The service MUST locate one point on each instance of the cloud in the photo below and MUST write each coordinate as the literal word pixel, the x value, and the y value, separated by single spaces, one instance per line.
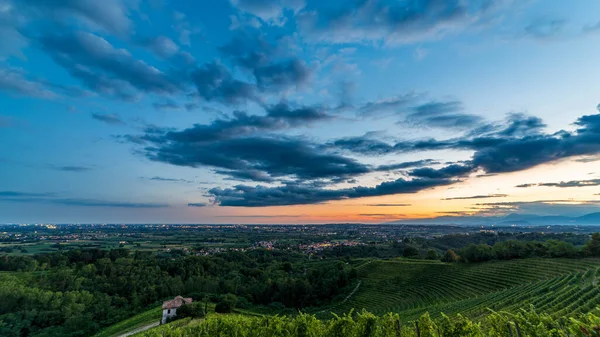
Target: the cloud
pixel 392 104
pixel 566 184
pixel 517 146
pixel 162 46
pixel 52 198
pixel 104 68
pixel 394 22
pixel 268 10
pixel 293 194
pixel 450 171
pixel 197 204
pixel 447 115
pixel 272 67
pixel 14 80
pixel 108 15
pixel 388 205
pixel 214 82
pixel 478 197
pixel 4 194
pixel 71 168
pixel 111 119
pixel 544 28
pixel 171 180
pixel 410 164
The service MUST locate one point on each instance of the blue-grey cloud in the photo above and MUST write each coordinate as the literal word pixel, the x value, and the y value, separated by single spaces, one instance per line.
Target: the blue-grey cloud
pixel 171 180
pixel 448 115
pixel 197 204
pixel 108 118
pixel 110 15
pixel 268 10
pixel 544 28
pixel 405 165
pixel 566 184
pixel 73 168
pixel 15 81
pixel 519 145
pixel 214 82
pixel 260 196
pixel 53 198
pixel 388 205
pixel 104 68
pixel 394 22
pixel 485 196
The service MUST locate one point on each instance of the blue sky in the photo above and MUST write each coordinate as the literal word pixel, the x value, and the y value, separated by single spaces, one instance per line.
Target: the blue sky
pixel 297 110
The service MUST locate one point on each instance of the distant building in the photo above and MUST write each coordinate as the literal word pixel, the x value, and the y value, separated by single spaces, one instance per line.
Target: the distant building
pixel 170 307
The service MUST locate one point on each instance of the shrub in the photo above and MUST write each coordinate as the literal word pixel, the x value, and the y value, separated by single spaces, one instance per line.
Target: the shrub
pixel 192 310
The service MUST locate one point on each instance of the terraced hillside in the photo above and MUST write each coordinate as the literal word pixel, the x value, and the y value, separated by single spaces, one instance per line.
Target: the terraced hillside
pixel 410 288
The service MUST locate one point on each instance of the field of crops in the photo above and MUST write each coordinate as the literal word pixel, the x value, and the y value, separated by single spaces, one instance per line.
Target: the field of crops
pixel 410 288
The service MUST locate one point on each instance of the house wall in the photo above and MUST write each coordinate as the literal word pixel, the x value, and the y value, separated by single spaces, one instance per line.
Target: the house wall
pixel 167 313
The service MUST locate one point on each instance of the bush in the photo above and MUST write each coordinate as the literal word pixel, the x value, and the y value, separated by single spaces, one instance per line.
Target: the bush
pixel 192 310
pixel 226 304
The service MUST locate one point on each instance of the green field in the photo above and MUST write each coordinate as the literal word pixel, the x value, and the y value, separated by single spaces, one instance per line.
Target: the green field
pixel 410 288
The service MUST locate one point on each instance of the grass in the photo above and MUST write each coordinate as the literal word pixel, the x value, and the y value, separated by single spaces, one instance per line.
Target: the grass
pixel 143 319
pixel 412 288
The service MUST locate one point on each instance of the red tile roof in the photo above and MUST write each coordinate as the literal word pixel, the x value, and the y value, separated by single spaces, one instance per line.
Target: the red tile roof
pixel 176 302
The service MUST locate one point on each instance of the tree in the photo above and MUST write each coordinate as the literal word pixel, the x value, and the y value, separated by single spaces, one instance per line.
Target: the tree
pixel 593 246
pixel 450 256
pixel 226 304
pixel 193 310
pixel 410 252
pixel 431 255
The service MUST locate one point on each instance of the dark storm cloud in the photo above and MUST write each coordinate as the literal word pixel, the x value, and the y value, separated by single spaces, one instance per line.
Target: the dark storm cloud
pixel 478 197
pixel 108 119
pixel 566 184
pixel 104 68
pixel 261 196
pixel 393 22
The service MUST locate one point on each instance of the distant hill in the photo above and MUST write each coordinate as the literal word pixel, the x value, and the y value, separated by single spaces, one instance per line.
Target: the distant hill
pixel 508 220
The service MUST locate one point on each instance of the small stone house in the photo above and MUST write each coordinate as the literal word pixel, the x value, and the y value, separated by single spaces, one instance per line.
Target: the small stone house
pixel 170 307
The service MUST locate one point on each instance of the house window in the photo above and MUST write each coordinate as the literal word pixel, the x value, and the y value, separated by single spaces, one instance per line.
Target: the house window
pixel 169 311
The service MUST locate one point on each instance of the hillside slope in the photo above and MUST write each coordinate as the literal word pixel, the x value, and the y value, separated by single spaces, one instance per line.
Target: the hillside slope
pixel 411 288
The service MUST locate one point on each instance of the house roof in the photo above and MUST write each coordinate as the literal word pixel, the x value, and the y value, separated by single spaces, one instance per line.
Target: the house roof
pixel 176 302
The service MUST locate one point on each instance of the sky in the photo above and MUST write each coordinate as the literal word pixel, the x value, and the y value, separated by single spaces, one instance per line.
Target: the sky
pixel 297 111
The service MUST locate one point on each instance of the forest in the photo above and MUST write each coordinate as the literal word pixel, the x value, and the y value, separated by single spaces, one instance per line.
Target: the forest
pixel 75 293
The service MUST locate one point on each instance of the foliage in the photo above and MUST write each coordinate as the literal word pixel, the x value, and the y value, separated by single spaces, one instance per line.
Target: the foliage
pixel 192 310
pixel 365 324
pixel 78 292
pixel 226 304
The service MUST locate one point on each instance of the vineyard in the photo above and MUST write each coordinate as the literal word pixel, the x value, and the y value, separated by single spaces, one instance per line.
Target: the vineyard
pixel 363 324
pixel 410 288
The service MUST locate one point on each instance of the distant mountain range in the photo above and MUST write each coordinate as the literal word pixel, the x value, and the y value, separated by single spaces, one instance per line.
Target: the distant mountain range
pixel 508 220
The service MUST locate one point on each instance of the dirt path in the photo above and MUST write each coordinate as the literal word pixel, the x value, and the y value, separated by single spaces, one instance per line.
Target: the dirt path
pixel 138 330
